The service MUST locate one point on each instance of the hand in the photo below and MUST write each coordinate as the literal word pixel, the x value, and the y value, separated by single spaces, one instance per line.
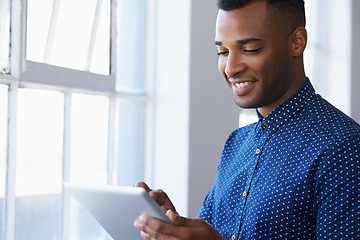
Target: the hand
pixel 183 228
pixel 159 196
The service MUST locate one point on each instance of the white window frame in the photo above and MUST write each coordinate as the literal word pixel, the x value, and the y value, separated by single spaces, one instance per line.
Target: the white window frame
pixel 326 60
pixel 28 74
pixel 185 132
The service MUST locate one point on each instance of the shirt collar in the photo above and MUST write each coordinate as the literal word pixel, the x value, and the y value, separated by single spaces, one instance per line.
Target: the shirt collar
pixel 287 109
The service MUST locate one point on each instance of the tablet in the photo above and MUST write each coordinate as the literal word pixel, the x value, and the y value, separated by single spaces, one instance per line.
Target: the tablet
pixel 116 208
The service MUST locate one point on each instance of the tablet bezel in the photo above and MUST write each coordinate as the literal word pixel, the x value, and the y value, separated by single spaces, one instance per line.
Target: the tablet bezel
pixel 117 207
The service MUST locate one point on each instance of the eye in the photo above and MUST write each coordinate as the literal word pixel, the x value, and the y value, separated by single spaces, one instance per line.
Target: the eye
pixel 252 50
pixel 222 53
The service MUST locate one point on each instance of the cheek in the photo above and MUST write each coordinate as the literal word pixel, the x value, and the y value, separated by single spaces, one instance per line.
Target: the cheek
pixel 222 66
pixel 266 66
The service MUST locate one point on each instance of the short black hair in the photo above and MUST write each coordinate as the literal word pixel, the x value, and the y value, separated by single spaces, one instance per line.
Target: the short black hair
pixel 289 8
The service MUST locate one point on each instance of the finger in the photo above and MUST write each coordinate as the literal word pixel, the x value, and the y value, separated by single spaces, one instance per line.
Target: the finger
pixel 186 222
pixel 144 186
pixel 175 218
pixel 143 224
pixel 158 195
pixel 144 235
pixel 155 228
pixel 188 228
pixel 162 199
pixel 139 225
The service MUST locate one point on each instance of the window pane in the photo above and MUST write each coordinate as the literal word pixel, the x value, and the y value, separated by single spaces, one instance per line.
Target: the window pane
pixel 130 142
pixel 39 165
pixel 131 54
pixel 38 23
pixel 88 157
pixel 4 35
pixel 70 33
pixel 89 138
pixel 3 134
pixel 247 116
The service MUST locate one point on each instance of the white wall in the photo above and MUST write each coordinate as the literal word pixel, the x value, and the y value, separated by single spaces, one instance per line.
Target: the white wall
pixel 213 113
pixel 171 148
pixel 195 112
pixel 355 73
pixel 332 56
pixel 328 54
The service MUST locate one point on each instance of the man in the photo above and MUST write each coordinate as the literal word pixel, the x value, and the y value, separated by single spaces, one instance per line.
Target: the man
pixel 295 173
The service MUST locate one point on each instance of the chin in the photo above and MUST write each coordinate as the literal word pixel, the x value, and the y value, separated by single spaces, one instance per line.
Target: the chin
pixel 245 104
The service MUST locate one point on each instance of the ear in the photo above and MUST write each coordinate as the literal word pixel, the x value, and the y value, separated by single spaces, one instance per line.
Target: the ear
pixel 298 41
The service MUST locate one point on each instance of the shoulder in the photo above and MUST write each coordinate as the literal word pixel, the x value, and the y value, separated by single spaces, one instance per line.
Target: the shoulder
pixel 329 122
pixel 331 135
pixel 239 136
pixel 236 142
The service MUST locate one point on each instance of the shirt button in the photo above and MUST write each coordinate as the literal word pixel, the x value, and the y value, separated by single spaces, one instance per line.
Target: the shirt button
pixel 233 237
pixel 245 193
pixel 258 151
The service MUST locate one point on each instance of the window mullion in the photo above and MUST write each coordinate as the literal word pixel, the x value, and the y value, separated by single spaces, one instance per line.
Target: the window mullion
pixel 93 34
pixel 150 80
pixel 52 29
pixel 18 9
pixel 4 8
pixel 11 163
pixel 111 154
pixel 66 165
pixel 69 78
pixel 113 36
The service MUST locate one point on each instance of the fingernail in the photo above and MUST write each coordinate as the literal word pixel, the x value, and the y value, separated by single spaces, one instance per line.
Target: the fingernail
pixel 142 218
pixel 144 235
pixel 137 224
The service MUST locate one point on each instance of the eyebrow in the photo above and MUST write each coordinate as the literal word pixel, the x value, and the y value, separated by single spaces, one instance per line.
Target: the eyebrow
pixel 243 41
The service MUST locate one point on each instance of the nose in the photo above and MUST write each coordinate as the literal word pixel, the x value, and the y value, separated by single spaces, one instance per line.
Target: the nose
pixel 235 64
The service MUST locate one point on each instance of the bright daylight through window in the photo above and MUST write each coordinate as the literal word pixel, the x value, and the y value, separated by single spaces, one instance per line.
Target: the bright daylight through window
pixel 3 134
pixel 38 171
pixel 72 108
pixel 4 35
pixel 67 34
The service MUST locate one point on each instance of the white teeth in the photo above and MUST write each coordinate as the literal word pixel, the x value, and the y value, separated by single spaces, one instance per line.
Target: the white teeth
pixel 240 85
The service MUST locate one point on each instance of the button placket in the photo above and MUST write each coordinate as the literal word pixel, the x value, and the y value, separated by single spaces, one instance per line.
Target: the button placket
pixel 251 175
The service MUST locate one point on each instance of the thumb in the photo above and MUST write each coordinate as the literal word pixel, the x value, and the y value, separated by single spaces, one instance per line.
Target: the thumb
pixel 176 218
pixel 182 221
pixel 144 186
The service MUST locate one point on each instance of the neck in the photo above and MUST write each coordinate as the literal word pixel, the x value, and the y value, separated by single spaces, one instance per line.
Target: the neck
pixel 299 80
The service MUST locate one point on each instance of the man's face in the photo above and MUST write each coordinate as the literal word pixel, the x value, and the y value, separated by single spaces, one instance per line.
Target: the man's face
pixel 254 57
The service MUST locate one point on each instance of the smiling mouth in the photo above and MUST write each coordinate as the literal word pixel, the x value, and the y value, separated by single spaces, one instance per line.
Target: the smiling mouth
pixel 243 88
pixel 242 84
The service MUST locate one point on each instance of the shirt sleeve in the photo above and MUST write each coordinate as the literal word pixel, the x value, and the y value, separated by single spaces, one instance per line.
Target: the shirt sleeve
pixel 206 211
pixel 337 191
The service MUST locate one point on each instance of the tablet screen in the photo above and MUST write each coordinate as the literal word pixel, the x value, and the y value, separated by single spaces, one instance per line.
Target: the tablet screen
pixel 116 208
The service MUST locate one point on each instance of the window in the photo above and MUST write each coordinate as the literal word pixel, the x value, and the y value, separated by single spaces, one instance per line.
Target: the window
pixel 57 35
pixel 4 34
pixel 3 134
pixel 38 176
pixel 327 61
pixel 73 107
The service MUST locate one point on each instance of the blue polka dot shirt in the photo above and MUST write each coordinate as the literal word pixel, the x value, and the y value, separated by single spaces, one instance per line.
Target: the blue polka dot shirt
pixel 292 175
